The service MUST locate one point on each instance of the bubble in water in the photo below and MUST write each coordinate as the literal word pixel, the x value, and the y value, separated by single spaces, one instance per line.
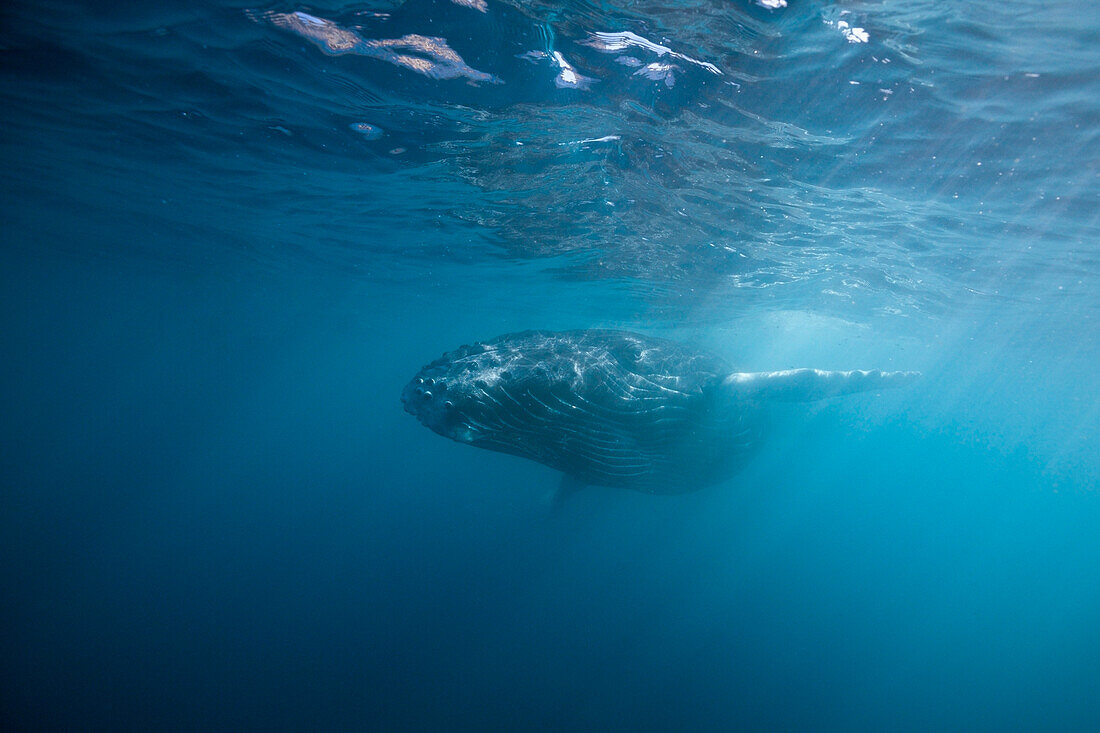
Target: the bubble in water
pixel 367 130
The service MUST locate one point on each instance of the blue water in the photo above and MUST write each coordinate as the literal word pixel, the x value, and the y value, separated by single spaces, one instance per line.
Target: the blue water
pixel 231 233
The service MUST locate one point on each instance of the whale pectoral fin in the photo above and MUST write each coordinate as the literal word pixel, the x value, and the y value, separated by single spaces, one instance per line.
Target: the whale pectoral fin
pixel 806 385
pixel 569 486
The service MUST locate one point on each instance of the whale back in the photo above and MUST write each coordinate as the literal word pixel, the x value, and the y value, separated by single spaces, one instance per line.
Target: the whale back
pixel 605 407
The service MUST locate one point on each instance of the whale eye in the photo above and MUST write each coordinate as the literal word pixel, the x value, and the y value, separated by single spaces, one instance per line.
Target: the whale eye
pixel 427 395
pixel 420 380
pixel 429 381
pixel 449 405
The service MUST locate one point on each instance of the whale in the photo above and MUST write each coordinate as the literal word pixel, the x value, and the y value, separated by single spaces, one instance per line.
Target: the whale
pixel 616 408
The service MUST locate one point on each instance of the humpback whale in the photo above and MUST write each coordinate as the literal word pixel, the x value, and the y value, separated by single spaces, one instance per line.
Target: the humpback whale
pixel 615 408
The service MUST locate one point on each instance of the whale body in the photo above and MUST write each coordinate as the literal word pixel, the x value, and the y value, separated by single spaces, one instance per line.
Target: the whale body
pixel 615 408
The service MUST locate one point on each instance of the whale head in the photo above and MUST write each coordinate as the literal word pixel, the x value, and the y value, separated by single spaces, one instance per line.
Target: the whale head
pixel 448 396
pixel 432 401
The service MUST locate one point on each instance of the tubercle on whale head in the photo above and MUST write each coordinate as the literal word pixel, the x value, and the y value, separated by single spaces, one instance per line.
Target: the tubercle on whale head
pixel 423 395
pixel 438 403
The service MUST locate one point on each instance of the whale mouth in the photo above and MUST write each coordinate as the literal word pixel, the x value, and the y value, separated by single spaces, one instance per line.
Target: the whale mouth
pixel 409 398
pixel 416 397
pixel 465 434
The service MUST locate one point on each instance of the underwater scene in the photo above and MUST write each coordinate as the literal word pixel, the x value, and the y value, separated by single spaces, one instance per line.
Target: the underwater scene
pixel 432 365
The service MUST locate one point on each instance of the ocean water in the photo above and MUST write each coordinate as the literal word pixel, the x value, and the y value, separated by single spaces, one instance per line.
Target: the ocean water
pixel 232 232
